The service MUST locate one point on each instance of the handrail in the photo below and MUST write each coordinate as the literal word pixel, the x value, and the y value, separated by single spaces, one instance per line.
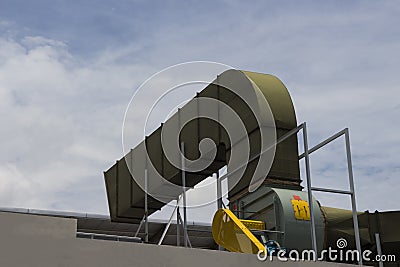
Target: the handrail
pixel 307 152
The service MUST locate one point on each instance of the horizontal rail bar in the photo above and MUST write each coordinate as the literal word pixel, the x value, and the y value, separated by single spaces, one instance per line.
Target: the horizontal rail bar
pixel 337 191
pixel 325 142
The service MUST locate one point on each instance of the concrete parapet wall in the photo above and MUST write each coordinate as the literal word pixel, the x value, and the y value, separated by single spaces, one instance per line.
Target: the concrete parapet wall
pixel 34 240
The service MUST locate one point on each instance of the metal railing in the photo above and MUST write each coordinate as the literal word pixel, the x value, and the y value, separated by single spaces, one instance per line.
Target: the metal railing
pixel 305 155
pixel 350 192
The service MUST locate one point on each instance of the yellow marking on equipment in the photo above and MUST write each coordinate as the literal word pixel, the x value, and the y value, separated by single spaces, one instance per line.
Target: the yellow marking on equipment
pixel 253 225
pixel 301 209
pixel 231 233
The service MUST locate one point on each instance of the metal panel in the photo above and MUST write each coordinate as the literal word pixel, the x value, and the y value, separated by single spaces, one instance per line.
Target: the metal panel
pixel 126 197
pixel 274 207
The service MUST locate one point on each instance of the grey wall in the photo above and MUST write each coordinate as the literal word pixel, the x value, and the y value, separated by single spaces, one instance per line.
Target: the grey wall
pixel 34 240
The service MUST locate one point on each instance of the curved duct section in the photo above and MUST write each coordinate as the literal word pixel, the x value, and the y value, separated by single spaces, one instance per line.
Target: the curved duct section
pixel 232 90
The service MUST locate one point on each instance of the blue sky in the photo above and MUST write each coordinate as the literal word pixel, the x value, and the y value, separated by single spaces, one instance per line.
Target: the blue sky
pixel 69 68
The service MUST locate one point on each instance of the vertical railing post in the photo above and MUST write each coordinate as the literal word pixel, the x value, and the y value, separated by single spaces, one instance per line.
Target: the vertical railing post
pixel 353 195
pixel 219 191
pixel 146 212
pixel 378 248
pixel 178 230
pixel 185 237
pixel 309 190
pixel 219 198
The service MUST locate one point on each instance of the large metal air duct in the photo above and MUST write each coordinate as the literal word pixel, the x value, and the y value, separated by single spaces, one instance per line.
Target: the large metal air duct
pixel 126 195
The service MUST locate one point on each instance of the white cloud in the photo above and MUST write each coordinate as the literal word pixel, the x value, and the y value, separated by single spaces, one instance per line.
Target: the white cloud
pixel 60 124
pixel 40 41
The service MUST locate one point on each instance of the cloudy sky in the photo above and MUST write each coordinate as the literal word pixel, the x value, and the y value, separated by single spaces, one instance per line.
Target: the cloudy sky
pixel 69 68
